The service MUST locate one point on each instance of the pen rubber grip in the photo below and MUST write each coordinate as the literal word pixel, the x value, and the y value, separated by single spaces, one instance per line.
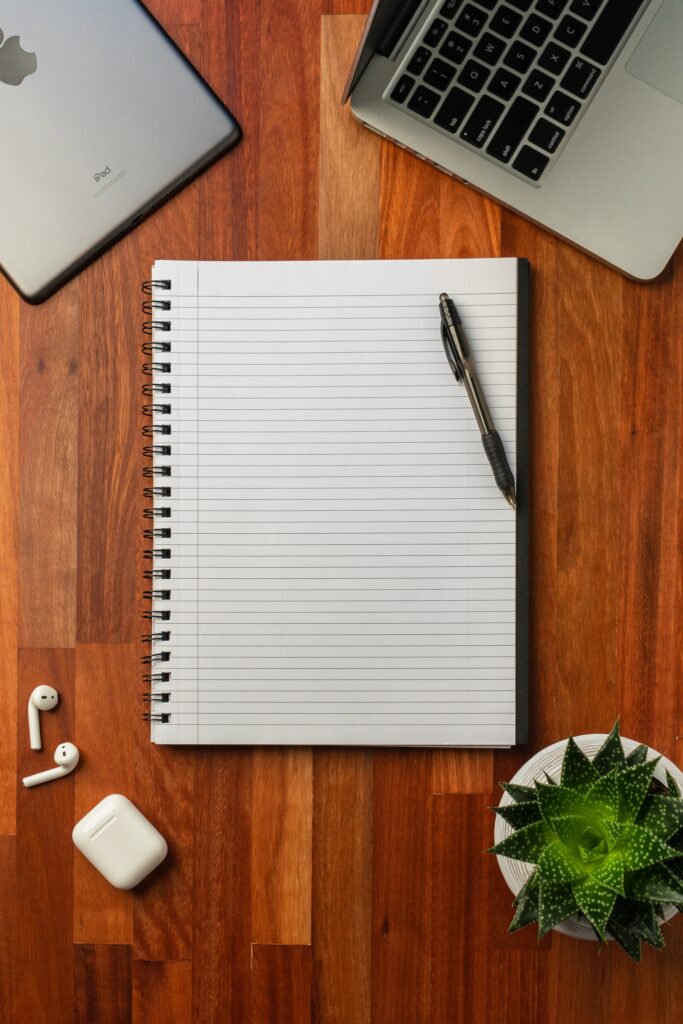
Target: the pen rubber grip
pixel 493 446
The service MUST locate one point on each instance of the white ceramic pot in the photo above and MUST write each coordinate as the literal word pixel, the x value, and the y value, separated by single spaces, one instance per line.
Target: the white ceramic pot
pixel 516 872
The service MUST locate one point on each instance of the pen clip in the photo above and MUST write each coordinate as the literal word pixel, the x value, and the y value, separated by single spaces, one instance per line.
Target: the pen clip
pixel 451 354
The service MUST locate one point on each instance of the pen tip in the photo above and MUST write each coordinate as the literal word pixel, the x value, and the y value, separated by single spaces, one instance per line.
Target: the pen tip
pixel 511 498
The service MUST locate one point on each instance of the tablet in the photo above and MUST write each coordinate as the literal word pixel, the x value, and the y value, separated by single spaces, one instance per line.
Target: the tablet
pixel 103 119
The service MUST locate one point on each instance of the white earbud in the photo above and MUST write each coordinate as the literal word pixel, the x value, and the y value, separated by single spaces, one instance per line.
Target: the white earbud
pixel 43 698
pixel 66 757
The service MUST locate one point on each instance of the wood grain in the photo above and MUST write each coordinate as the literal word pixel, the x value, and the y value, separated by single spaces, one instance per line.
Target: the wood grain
pixel 281 846
pixel 108 447
pixel 43 951
pixel 8 926
pixel 221 942
pixel 48 443
pixel 281 980
pixel 342 886
pixel 401 896
pixel 102 984
pixel 335 886
pixel 162 991
pixel 348 205
pixel 9 550
pixel 106 701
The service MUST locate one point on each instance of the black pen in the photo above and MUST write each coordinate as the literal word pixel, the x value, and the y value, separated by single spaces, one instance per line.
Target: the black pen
pixel 462 365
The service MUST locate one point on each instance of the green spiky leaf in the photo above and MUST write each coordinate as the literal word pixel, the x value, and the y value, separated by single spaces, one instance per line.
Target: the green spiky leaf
pixel 556 801
pixel 519 815
pixel 556 865
pixel 556 903
pixel 640 848
pixel 637 755
pixel 605 792
pixel 672 785
pixel 527 903
pixel 569 828
pixel 654 884
pixel 633 785
pixel 578 771
pixel 610 873
pixel 527 844
pixel 520 794
pixel 596 901
pixel 626 937
pixel 611 753
pixel 662 815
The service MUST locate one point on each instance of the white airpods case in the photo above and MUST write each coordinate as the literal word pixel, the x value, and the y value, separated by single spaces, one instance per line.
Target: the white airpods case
pixel 119 841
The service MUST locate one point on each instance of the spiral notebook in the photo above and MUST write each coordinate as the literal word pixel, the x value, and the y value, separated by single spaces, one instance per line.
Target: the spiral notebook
pixel 329 560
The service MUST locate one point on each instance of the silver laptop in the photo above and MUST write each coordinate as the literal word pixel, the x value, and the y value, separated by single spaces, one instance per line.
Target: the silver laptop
pixel 568 111
pixel 102 119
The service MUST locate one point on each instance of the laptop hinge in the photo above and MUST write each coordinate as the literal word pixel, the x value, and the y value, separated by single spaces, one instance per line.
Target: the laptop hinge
pixel 406 11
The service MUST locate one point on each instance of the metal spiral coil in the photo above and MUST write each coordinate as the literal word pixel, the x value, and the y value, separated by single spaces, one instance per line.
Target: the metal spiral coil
pixel 155 346
pixel 152 367
pixel 149 326
pixel 149 286
pixel 152 429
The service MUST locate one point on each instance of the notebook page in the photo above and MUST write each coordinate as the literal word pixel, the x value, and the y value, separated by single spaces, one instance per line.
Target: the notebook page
pixel 342 563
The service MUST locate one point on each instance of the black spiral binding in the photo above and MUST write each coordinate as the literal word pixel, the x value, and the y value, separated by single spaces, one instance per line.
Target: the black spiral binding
pixel 155 449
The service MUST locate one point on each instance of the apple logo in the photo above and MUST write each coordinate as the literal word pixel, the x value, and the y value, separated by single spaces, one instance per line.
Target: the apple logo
pixel 15 62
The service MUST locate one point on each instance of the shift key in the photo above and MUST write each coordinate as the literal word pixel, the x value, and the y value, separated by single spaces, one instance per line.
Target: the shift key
pixel 513 128
pixel 482 122
pixel 453 110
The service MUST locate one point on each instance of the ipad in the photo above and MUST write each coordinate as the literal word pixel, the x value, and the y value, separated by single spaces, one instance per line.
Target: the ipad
pixel 103 118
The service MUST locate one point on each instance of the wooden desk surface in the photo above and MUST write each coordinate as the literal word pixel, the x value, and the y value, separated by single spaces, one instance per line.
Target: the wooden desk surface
pixel 341 887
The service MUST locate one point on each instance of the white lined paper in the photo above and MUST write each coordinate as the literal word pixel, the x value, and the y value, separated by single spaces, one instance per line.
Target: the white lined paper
pixel 342 565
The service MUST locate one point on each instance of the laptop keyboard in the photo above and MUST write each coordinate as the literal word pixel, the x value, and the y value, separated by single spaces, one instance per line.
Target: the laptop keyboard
pixel 511 77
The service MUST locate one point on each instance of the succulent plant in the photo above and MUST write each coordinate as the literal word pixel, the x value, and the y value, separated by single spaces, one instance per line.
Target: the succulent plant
pixel 607 842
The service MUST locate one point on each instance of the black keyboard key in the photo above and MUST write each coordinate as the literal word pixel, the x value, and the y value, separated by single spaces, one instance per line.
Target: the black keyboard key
pixel 546 135
pixel 474 76
pixel 504 83
pixel 488 4
pixel 553 58
pixel 519 57
pixel 450 8
pixel 580 77
pixel 609 29
pixel 489 48
pixel 553 8
pixel 512 130
pixel 538 85
pixel 505 22
pixel 523 5
pixel 455 47
pixel 419 60
pixel 569 30
pixel 423 101
pixel 563 108
pixel 454 109
pixel 586 8
pixel 402 88
pixel 535 29
pixel 482 121
pixel 439 74
pixel 530 163
pixel 471 20
pixel 435 32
